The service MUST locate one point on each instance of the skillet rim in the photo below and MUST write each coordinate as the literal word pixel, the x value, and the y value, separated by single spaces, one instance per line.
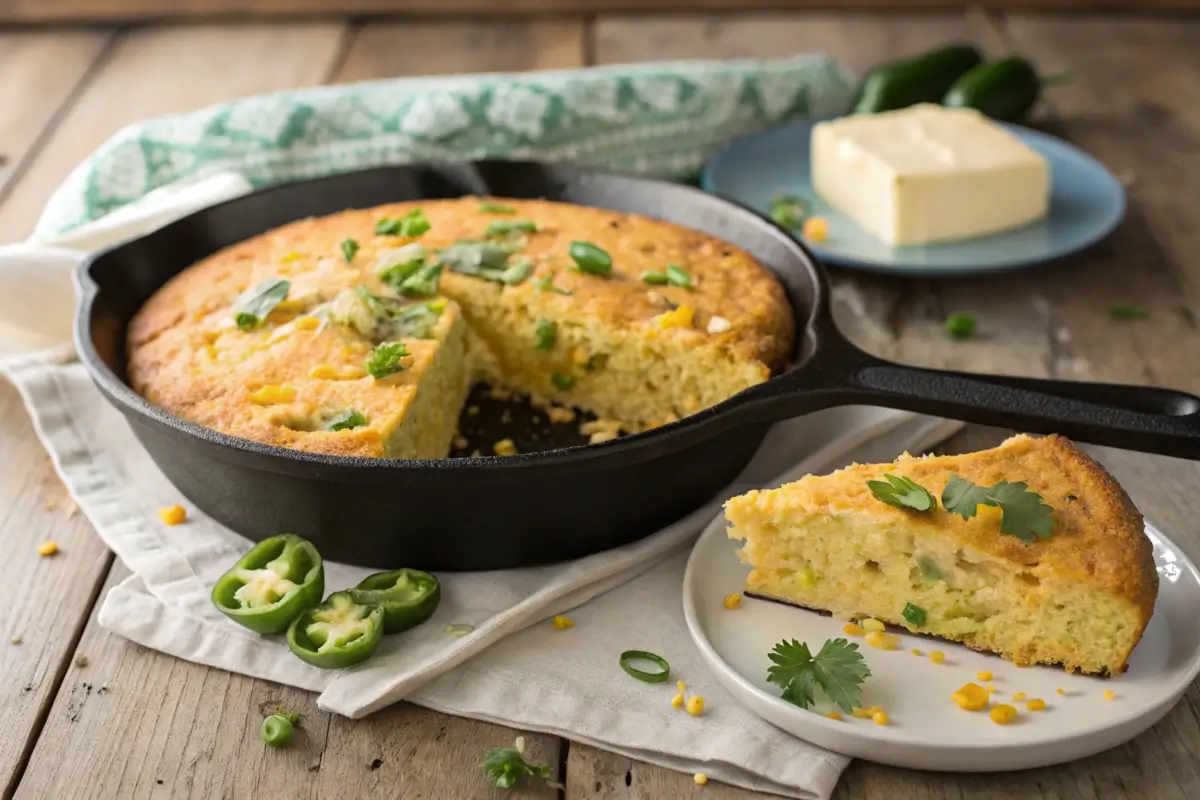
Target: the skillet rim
pixel 129 402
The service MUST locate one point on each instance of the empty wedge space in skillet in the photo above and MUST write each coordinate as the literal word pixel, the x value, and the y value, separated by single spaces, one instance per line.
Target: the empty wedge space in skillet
pixel 615 338
pixel 1080 598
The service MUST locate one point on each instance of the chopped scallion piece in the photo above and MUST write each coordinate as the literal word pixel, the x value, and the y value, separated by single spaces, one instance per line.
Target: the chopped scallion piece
pixel 349 248
pixel 562 382
pixel 677 277
pixel 914 614
pixel 503 227
pixel 414 223
pixel 1122 311
pixel 788 210
pixel 346 420
pixel 960 325
pixel 489 207
pixel 422 283
pixel 655 277
pixel 398 264
pixel 385 359
pixel 590 259
pixel 630 656
pixel 546 284
pixel 520 269
pixel 546 332
pixel 252 308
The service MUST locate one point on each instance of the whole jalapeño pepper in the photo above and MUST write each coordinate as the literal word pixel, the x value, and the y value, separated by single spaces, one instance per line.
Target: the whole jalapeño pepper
pixel 338 633
pixel 408 597
pixel 269 586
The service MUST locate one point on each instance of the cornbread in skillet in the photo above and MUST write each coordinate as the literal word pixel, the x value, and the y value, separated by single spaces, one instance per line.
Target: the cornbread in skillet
pixel 628 343
pixel 1080 598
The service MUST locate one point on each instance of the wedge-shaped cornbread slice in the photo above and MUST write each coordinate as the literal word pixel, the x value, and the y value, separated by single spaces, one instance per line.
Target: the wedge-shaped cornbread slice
pixel 1080 598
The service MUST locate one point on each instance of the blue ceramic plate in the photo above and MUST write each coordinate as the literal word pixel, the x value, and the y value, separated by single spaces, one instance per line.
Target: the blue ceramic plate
pixel 1086 204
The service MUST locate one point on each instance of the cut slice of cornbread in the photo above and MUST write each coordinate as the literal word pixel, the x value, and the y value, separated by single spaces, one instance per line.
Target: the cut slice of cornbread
pixel 1080 598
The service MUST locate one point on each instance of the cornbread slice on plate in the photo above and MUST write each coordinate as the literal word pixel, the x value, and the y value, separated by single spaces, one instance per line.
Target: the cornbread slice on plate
pixel 1080 598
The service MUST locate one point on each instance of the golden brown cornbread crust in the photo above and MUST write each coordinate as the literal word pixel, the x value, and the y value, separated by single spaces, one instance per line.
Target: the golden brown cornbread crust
pixel 170 336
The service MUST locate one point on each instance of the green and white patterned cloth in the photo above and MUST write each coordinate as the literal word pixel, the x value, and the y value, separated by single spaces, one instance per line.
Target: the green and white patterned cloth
pixel 663 120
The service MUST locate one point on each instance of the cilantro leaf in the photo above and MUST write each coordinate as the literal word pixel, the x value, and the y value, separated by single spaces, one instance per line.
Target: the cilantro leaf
pixel 252 307
pixel 838 669
pixel 1024 513
pixel 506 765
pixel 902 492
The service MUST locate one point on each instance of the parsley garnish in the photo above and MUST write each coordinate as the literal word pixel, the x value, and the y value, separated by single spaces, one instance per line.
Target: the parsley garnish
pixel 914 614
pixel 505 765
pixel 839 670
pixel 788 210
pixel 252 308
pixel 960 325
pixel 414 223
pixel 1025 514
pixel 546 284
pixel 345 420
pixel 546 332
pixel 902 492
pixel 385 359
pixel 1122 311
pixel 349 248
pixel 503 227
pixel 488 207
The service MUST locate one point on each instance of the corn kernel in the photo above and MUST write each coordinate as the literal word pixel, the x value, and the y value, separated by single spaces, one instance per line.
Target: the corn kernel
pixel 47 548
pixel 1035 704
pixel 983 675
pixel 288 306
pixel 879 718
pixel 861 713
pixel 700 778
pixel 352 373
pixel 807 577
pixel 916 652
pixel 834 715
pixel 580 356
pixel 1002 714
pixel 815 228
pixel 681 686
pixel 852 630
pixel 323 372
pixel 873 710
pixel 678 318
pixel 288 258
pixel 172 515
pixel 937 657
pixel 871 624
pixel 270 395
pixel 970 697
pixel 1019 696
pixel 677 701
pixel 1109 694
pixel 1060 691
pixel 505 447
pixel 307 323
pixel 881 641
pixel 562 623
pixel 695 705
pixel 991 688
pixel 733 600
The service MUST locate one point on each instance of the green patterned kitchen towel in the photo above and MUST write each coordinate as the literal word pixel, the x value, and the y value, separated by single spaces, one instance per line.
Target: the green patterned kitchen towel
pixel 661 119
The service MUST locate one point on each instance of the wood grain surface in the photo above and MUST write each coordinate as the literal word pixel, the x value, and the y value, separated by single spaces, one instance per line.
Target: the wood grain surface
pixel 135 723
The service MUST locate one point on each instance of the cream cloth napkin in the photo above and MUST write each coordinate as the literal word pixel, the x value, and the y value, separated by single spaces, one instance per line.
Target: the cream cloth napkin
pixel 514 668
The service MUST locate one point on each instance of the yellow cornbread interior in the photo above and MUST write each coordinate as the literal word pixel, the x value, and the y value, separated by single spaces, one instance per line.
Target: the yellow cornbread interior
pixel 856 570
pixel 1080 598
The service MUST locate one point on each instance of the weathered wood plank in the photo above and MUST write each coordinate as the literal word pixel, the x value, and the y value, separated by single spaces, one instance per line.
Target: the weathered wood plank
pixel 164 70
pixel 125 10
pixel 387 49
pixel 45 600
pixel 39 73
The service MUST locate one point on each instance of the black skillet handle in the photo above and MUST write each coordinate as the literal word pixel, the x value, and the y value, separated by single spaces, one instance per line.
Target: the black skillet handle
pixel 1149 420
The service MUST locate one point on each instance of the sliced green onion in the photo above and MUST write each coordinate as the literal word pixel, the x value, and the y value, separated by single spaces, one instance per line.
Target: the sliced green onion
pixel 655 277
pixel 546 284
pixel 414 223
pixel 459 630
pixel 678 277
pixel 562 382
pixel 546 332
pixel 346 420
pixel 643 655
pixel 518 271
pixel 960 325
pixel 503 227
pixel 914 614
pixel 590 259
pixel 488 207
pixel 349 248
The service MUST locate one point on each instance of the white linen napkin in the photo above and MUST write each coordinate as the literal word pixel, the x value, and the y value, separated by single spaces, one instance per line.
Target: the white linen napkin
pixel 514 667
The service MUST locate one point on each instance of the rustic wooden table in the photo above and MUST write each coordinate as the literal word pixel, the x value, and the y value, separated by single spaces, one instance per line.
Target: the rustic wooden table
pixel 127 722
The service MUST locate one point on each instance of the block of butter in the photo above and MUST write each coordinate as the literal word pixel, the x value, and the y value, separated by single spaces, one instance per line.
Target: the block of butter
pixel 928 174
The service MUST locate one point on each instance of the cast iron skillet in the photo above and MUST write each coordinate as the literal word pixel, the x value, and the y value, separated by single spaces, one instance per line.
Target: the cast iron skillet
pixel 567 501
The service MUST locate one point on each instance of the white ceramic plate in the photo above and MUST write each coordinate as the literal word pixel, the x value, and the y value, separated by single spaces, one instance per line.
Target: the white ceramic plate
pixel 926 730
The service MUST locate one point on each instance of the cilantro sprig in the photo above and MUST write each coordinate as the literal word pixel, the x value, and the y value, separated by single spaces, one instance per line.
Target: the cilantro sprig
pixel 902 492
pixel 838 670
pixel 1024 513
pixel 506 765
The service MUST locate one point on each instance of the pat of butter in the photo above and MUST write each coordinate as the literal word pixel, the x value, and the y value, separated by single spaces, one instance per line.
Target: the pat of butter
pixel 928 174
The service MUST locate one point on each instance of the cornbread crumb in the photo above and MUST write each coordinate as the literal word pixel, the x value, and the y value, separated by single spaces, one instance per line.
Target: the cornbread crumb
pixel 718 325
pixel 505 447
pixel 51 505
pixel 81 660
pixel 560 413
pixel 733 600
pixel 695 705
pixel 172 515
pixel 47 549
pixel 460 442
pixel 700 778
pixel 472 410
pixel 562 623
pixel 16 640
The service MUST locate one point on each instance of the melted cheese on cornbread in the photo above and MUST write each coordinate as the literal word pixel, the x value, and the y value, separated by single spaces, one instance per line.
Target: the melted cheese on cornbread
pixel 632 352
pixel 1080 598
